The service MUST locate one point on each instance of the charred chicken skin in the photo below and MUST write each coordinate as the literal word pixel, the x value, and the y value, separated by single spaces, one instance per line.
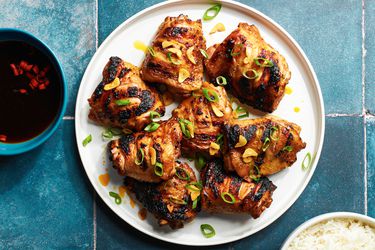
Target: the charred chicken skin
pixel 148 156
pixel 169 201
pixel 229 193
pixel 263 146
pixel 203 119
pixel 175 58
pixel 122 99
pixel 257 74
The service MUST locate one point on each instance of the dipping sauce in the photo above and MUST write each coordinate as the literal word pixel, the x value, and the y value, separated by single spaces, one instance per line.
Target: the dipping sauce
pixel 25 110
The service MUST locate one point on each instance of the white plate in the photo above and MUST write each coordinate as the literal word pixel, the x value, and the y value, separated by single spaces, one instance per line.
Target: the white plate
pixel 306 95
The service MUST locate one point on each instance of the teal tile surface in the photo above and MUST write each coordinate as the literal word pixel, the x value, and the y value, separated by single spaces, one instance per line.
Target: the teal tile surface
pixel 370 55
pixel 67 27
pixel 46 199
pixel 370 130
pixel 329 190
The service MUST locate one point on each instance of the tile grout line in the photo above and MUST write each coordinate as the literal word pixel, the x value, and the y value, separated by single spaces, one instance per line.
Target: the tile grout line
pixel 94 193
pixel 363 105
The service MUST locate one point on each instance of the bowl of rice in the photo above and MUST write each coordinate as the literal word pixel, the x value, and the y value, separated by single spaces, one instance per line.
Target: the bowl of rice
pixel 338 230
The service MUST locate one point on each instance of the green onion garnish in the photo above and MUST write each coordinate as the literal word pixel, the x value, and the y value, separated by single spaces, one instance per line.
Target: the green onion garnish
pixel 185 176
pixel 234 52
pixel 175 62
pixel 263 62
pixel 266 144
pixel 287 148
pixel 220 139
pixel 306 165
pixel 151 50
pixel 177 201
pixel 127 131
pixel 273 131
pixel 254 178
pixel 122 102
pixel 253 75
pixel 215 9
pixel 115 131
pixel 87 140
pixel 154 114
pixel 140 157
pixel 183 124
pixel 210 95
pixel 152 127
pixel 116 196
pixel 204 53
pixel 193 186
pixel 200 162
pixel 241 112
pixel 207 230
pixel 220 80
pixel 225 195
pixel 158 169
pixel 195 203
pixel 107 134
pixel 257 169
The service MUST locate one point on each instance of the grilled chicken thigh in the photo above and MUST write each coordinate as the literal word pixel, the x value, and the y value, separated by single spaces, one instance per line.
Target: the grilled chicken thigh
pixel 256 72
pixel 204 118
pixel 148 156
pixel 169 201
pixel 122 99
pixel 229 193
pixel 175 58
pixel 263 146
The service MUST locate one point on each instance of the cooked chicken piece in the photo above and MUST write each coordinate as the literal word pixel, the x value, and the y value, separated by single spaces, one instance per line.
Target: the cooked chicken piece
pixel 202 120
pixel 175 58
pixel 257 74
pixel 229 193
pixel 169 201
pixel 263 146
pixel 122 99
pixel 148 156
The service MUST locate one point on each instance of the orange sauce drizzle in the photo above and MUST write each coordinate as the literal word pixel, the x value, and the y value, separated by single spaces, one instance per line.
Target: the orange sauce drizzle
pixel 104 179
pixel 142 213
pixel 288 90
pixel 140 46
pixel 121 191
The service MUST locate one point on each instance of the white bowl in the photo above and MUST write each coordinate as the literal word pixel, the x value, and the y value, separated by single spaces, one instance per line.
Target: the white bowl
pixel 324 217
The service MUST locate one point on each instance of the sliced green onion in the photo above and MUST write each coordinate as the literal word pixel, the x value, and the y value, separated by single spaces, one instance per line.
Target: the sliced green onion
pixel 207 230
pixel 306 164
pixel 195 203
pixel 266 63
pixel 240 110
pixel 87 140
pixel 287 148
pixel 254 74
pixel 116 196
pixel 186 176
pixel 152 127
pixel 183 124
pixel 210 95
pixel 257 169
pixel 220 80
pixel 215 9
pixel 158 169
pixel 154 114
pixel 177 201
pixel 233 51
pixel 151 50
pixel 193 185
pixel 254 178
pixel 273 131
pixel 225 195
pixel 175 62
pixel 140 157
pixel 200 162
pixel 115 131
pixel 122 102
pixel 266 144
pixel 204 53
pixel 127 131
pixel 190 159
pixel 107 134
pixel 220 139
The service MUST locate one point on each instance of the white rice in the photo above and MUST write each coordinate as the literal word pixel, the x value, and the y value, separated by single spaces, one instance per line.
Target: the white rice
pixel 335 234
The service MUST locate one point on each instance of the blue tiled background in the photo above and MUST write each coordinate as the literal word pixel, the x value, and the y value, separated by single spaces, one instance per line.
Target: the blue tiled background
pixel 46 199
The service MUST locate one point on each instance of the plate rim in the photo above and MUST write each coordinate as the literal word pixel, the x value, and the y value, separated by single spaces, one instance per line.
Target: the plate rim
pixel 300 53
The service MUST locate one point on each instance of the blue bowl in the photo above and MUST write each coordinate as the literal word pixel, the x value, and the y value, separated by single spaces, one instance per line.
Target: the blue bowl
pixel 7 34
